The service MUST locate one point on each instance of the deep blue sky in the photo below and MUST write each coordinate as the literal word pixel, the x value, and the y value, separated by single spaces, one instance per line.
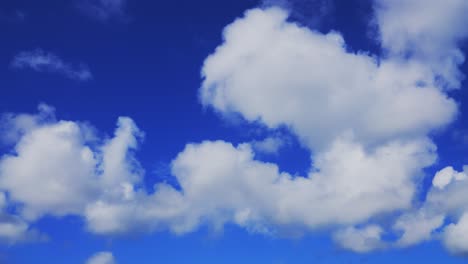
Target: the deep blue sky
pixel 146 65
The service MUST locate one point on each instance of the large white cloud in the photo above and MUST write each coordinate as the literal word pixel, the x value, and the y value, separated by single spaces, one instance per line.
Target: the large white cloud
pixel 55 170
pixel 277 72
pixel 221 183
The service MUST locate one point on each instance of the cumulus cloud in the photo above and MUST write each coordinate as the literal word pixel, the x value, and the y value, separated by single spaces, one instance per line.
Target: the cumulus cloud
pixel 102 258
pixel 14 126
pixel 56 169
pixel 445 176
pixel 294 70
pixel 375 102
pixel 263 199
pixel 428 32
pixel 364 119
pixel 103 10
pixel 43 61
pixel 455 236
pixel 442 215
pixel 14 229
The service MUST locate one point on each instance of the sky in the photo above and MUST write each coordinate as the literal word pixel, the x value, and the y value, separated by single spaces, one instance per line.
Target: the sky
pixel 276 131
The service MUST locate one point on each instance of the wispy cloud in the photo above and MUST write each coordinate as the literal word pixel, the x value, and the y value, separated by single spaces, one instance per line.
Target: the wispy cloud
pixel 43 61
pixel 103 10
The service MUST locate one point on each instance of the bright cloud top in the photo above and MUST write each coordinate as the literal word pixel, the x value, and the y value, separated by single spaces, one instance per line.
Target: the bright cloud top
pixel 365 121
pixel 43 61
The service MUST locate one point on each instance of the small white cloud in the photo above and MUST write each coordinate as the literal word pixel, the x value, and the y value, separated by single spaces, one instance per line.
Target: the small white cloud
pixel 102 258
pixel 293 70
pixel 445 176
pixel 43 61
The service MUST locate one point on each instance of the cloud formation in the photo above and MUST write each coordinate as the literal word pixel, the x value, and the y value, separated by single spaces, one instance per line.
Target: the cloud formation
pixel 426 32
pixel 57 167
pixel 365 120
pixel 43 61
pixel 311 83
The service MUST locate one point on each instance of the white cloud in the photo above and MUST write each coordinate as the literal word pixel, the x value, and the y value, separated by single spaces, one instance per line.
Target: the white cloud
pixel 103 10
pixel 269 145
pixel 347 186
pixel 14 229
pixel 362 118
pixel 417 227
pixel 426 31
pixel 456 236
pixel 360 240
pixel 14 126
pixel 103 257
pixel 54 171
pixel 294 70
pixel 437 217
pixel 375 102
pixel 446 176
pixel 263 199
pixel 43 61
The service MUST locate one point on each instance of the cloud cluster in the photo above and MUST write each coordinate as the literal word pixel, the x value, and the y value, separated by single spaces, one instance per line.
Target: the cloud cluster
pixel 365 120
pixel 278 73
pixel 60 168
pixel 443 214
pixel 43 61
pixel 57 167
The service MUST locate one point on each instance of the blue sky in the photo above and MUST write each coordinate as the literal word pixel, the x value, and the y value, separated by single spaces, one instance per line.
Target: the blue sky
pixel 295 131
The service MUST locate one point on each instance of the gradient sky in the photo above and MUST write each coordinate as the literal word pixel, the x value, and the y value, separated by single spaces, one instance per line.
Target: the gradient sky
pixel 301 131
